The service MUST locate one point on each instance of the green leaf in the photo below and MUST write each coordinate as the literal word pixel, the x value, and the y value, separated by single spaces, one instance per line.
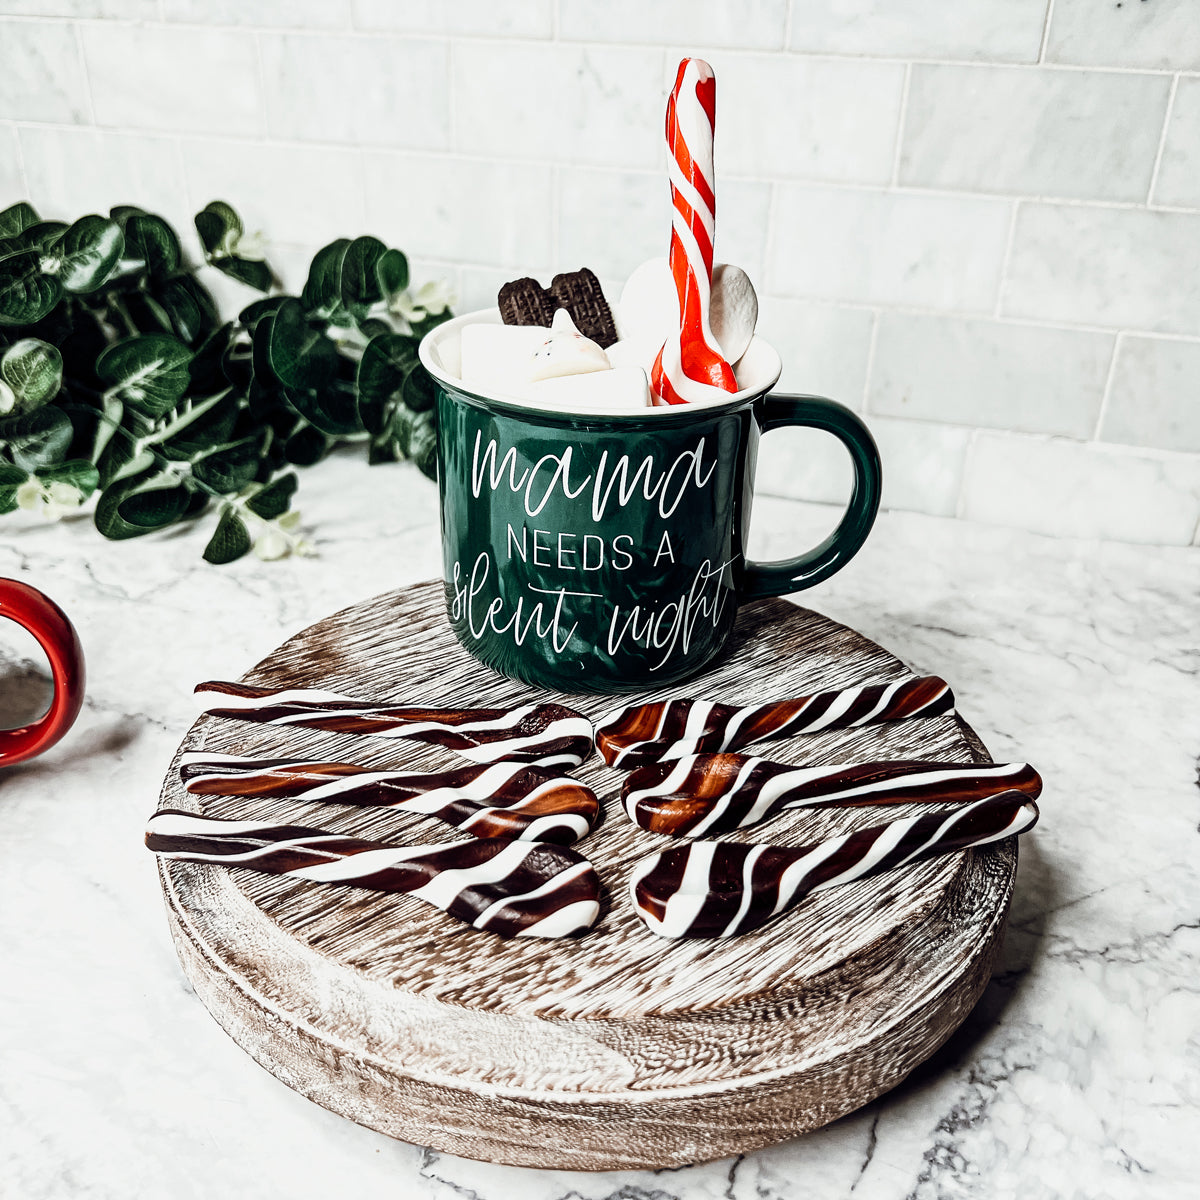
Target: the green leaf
pixel 200 425
pixel 306 446
pixel 248 271
pixel 17 218
pixel 419 392
pixel 322 293
pixel 214 222
pixel 26 294
pixel 33 369
pixel 385 362
pixel 360 287
pixel 120 459
pixel 122 212
pixel 39 236
pixel 78 472
pixel 11 479
pixel 154 505
pixel 189 307
pixel 300 355
pixel 333 410
pixel 149 373
pixel 257 309
pixel 151 241
pixel 37 439
pixel 275 498
pixel 146 313
pixel 392 273
pixel 87 253
pixel 422 445
pixel 229 468
pixel 230 541
pixel 420 328
pixel 205 372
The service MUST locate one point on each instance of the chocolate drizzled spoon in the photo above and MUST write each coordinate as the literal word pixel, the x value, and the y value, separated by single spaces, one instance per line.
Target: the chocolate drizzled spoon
pixel 546 734
pixel 487 800
pixel 717 889
pixel 514 889
pixel 704 794
pixel 669 729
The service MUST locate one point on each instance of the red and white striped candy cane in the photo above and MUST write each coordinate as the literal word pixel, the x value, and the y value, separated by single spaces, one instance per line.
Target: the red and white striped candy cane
pixel 690 366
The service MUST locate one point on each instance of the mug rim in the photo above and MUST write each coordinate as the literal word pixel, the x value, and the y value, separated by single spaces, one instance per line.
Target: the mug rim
pixel 516 406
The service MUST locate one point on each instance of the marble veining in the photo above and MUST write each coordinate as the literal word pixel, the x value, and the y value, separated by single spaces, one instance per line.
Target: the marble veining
pixel 1077 1075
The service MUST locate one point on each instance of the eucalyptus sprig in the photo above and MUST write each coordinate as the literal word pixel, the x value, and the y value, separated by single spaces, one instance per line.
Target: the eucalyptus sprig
pixel 118 377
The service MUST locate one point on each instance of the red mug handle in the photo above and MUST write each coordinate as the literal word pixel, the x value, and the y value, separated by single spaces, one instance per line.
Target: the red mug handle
pixel 49 624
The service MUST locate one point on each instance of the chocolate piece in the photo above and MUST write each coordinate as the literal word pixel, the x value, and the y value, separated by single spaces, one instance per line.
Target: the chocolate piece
pixel 580 293
pixel 645 733
pixel 546 734
pixel 514 889
pixel 526 302
pixel 717 889
pixel 505 800
pixel 704 794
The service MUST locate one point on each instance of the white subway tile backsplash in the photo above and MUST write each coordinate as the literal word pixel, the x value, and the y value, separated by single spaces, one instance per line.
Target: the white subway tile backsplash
pixel 750 24
pixel 1087 134
pixel 12 180
pixel 565 104
pixel 992 30
pixel 176 80
pixel 480 285
pixel 528 19
pixel 1075 489
pixel 41 76
pixel 921 251
pixel 495 214
pixel 1178 181
pixel 922 465
pixel 290 14
pixel 380 91
pixel 1124 268
pixel 1164 34
pixel 991 373
pixel 136 10
pixel 829 119
pixel 612 221
pixel 76 171
pixel 1155 395
pixel 823 348
pixel 307 195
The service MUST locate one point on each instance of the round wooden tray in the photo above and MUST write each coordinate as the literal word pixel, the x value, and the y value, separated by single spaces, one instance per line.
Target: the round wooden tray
pixel 618 1049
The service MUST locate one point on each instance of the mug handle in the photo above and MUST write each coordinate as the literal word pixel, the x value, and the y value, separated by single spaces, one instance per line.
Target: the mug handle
pixel 796 574
pixel 50 625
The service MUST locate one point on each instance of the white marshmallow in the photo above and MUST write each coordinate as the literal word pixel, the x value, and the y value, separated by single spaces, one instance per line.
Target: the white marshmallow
pixel 496 358
pixel 565 351
pixel 620 389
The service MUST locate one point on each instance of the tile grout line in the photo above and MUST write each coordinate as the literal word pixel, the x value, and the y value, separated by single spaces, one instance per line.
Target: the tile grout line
pixel 900 122
pixel 264 115
pixel 960 504
pixel 26 190
pixel 871 343
pixel 451 96
pixel 87 76
pixel 787 25
pixel 1041 58
pixel 1107 393
pixel 1162 141
pixel 1005 260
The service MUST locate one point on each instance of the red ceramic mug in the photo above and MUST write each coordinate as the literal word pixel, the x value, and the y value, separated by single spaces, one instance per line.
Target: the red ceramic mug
pixel 49 624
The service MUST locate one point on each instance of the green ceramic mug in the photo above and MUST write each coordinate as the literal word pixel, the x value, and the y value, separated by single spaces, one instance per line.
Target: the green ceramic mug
pixel 601 552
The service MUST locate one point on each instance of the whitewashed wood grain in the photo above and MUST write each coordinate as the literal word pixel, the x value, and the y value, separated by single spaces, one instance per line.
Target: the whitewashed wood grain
pixel 617 1049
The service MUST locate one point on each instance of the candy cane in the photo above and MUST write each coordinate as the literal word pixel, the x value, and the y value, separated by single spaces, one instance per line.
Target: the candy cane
pixel 689 367
pixel 717 889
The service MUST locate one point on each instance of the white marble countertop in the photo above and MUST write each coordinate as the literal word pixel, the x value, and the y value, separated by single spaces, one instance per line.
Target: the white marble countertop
pixel 1077 1075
